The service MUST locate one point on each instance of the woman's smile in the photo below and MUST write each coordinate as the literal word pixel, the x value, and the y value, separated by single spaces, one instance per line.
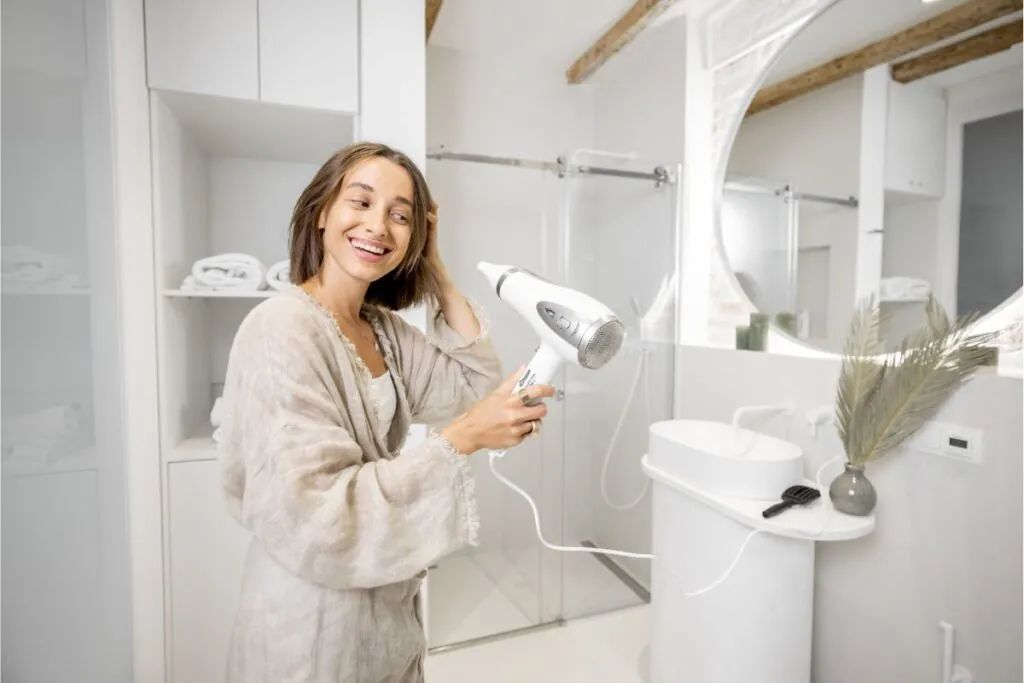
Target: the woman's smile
pixel 372 251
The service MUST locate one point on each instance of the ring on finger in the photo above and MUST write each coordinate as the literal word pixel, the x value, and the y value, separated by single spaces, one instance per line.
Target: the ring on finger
pixel 534 427
pixel 524 397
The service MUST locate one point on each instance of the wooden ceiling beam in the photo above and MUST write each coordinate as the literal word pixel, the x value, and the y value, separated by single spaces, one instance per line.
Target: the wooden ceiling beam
pixel 989 42
pixel 951 23
pixel 433 9
pixel 629 25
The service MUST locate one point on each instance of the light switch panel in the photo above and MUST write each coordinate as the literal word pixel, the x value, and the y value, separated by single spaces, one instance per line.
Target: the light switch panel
pixel 951 441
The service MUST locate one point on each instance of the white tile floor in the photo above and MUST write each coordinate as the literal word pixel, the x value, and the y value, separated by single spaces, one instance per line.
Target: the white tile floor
pixel 611 648
pixel 464 603
pixel 475 596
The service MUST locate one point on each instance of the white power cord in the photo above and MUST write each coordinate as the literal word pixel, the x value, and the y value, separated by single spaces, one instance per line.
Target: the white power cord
pixel 755 532
pixel 494 455
pixel 642 370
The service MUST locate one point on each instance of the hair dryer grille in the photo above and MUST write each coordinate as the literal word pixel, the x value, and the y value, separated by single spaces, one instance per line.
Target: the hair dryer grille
pixel 601 342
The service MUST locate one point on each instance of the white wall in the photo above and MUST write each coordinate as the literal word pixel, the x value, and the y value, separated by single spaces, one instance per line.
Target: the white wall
pixel 519 109
pixel 948 537
pixel 934 555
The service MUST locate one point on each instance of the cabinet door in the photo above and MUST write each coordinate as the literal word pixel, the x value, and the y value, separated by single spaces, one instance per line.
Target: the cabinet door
pixel 45 36
pixel 52 584
pixel 207 553
pixel 916 140
pixel 309 52
pixel 209 47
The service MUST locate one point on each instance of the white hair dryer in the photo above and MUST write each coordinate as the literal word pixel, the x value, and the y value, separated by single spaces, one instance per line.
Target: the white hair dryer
pixel 576 328
pixel 572 326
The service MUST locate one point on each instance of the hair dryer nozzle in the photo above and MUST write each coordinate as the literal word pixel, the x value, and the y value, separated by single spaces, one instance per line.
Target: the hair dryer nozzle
pixel 494 273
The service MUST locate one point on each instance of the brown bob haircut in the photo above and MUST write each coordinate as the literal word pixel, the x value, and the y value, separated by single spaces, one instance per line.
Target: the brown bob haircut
pixel 414 280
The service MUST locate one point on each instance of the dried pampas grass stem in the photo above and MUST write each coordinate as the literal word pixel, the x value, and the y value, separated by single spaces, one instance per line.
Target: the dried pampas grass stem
pixel 881 401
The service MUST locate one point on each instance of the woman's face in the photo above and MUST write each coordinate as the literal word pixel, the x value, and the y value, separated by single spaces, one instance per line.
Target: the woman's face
pixel 368 228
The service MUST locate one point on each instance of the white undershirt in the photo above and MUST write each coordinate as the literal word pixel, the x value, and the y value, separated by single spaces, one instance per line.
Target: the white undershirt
pixel 383 389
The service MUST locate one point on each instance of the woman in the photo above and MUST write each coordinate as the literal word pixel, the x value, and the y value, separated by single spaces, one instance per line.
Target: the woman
pixel 322 385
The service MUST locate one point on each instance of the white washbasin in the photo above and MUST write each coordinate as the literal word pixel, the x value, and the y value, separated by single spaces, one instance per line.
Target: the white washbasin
pixel 724 460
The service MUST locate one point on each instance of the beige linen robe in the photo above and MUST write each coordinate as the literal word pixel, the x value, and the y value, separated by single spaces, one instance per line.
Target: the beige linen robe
pixel 345 522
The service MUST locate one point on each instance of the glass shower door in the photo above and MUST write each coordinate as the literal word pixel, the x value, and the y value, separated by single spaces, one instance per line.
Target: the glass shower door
pixel 65 580
pixel 618 245
pixel 760 242
pixel 507 215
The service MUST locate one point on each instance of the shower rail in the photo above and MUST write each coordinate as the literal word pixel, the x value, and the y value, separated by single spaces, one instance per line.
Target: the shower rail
pixel 660 175
pixel 788 193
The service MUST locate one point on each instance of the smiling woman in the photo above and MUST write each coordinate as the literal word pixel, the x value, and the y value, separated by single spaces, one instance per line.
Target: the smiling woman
pixel 321 387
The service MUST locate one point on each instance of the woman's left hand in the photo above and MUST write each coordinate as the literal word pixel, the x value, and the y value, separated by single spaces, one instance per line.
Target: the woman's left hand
pixel 431 252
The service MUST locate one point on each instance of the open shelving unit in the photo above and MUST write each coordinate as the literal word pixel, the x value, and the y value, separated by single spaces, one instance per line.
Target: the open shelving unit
pixel 226 174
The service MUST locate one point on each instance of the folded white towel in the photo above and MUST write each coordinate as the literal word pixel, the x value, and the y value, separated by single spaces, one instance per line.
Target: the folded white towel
pixel 41 436
pixel 901 288
pixel 277 275
pixel 227 272
pixel 28 265
pixel 62 420
pixel 216 418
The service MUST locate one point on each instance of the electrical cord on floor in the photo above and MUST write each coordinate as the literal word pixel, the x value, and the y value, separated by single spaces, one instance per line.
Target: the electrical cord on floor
pixel 494 455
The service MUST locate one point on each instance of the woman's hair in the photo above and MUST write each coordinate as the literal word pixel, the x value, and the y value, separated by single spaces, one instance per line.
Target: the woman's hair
pixel 407 285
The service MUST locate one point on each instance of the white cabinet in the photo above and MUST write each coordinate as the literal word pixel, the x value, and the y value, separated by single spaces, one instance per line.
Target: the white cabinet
pixel 52 581
pixel 915 154
pixel 207 553
pixel 309 53
pixel 45 36
pixel 207 47
pixel 294 52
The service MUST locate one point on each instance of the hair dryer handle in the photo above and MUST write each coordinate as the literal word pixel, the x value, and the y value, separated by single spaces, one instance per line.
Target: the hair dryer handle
pixel 541 369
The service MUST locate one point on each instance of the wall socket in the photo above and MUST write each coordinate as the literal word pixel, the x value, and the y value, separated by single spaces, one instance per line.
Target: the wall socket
pixel 950 440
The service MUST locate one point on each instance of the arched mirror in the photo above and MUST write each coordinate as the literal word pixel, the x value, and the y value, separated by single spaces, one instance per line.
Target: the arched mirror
pixel 900 179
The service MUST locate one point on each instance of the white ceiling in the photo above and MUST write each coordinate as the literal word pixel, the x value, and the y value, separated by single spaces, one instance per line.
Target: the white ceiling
pixel 554 31
pixel 848 25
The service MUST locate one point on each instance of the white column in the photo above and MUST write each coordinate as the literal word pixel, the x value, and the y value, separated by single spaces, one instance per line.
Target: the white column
pixel 137 333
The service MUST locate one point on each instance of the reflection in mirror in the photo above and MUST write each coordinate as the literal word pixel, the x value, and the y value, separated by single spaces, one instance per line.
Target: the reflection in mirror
pixel 897 179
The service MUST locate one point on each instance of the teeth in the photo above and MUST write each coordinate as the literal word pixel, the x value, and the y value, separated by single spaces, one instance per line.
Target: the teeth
pixel 373 249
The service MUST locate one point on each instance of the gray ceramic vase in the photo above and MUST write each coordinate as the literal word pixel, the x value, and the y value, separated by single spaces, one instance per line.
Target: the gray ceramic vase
pixel 852 493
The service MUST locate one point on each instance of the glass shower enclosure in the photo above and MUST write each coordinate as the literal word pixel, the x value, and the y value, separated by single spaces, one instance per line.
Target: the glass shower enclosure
pixel 66 584
pixel 606 225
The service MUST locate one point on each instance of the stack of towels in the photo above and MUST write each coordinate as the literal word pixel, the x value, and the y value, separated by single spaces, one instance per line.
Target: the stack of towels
pixel 43 436
pixel 29 268
pixel 236 273
pixel 217 418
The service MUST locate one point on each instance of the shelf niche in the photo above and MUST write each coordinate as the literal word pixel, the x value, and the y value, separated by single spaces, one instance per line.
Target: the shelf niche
pixel 226 175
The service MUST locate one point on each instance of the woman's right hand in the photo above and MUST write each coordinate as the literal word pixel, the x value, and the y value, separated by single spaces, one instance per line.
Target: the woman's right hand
pixel 501 419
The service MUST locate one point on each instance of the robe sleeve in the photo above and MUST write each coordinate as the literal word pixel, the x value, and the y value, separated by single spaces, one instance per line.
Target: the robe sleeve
pixel 299 481
pixel 445 374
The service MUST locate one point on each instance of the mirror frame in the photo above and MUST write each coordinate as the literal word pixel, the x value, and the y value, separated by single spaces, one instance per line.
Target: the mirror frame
pixel 735 83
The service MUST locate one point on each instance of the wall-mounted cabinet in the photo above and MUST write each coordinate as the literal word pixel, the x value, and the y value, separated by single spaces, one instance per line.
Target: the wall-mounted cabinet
pixel 45 38
pixel 915 151
pixel 296 52
pixel 309 53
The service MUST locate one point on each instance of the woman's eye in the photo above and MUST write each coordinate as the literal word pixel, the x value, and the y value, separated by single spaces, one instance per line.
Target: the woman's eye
pixel 400 217
pixel 361 203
